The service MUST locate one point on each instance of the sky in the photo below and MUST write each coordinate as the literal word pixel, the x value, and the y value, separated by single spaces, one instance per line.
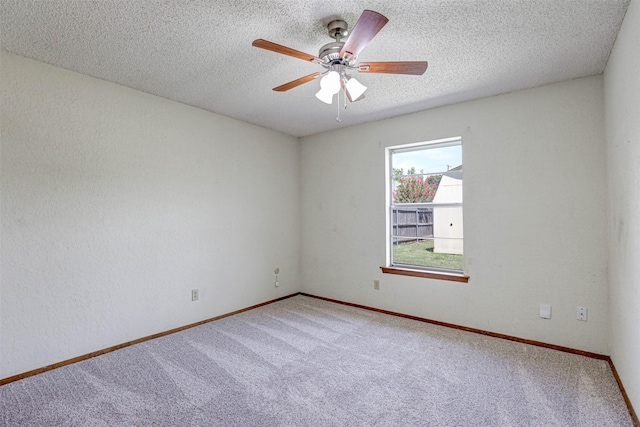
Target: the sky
pixel 431 160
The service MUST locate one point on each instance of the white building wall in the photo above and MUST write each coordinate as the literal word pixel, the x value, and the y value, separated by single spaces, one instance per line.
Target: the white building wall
pixel 448 229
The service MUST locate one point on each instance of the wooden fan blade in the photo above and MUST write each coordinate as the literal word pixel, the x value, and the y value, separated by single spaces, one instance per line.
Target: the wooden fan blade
pixel 274 47
pixel 363 32
pixel 295 83
pixel 407 67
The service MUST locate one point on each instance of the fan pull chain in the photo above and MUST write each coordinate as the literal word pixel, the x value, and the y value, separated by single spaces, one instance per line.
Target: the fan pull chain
pixel 338 119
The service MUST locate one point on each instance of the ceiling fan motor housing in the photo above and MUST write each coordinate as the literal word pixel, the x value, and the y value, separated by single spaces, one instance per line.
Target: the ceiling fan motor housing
pixel 330 52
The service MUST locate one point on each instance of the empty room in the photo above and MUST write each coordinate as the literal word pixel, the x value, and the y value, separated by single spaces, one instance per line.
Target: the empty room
pixel 319 213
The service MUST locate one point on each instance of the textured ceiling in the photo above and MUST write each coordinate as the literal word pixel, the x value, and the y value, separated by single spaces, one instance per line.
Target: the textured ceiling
pixel 199 52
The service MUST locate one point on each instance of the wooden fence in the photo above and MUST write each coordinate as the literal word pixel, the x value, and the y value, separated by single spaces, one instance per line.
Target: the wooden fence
pixel 409 224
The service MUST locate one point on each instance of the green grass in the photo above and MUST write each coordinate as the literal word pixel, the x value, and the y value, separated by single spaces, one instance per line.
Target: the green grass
pixel 421 253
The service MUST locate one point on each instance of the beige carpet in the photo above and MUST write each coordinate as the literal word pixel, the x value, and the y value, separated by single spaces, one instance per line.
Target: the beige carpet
pixel 307 362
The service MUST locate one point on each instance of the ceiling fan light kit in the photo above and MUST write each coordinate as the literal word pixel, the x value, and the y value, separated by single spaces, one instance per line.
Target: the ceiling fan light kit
pixel 339 58
pixel 329 86
pixel 355 89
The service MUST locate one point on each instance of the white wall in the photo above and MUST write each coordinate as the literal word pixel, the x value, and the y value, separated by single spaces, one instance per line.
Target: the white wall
pixel 116 203
pixel 622 106
pixel 534 214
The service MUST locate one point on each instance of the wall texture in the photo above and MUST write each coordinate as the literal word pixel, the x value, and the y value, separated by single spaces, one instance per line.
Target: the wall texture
pixel 534 215
pixel 622 106
pixel 115 204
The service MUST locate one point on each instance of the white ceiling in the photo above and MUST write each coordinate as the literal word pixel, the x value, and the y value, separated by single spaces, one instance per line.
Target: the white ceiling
pixel 199 52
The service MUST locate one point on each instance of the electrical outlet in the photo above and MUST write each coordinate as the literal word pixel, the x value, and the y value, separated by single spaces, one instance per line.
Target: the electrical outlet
pixel 582 314
pixel 376 285
pixel 194 295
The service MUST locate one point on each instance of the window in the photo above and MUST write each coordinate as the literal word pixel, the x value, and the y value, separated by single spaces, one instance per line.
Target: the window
pixel 424 201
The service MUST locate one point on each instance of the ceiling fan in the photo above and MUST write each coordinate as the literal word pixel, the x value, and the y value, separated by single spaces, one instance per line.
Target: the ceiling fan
pixel 339 58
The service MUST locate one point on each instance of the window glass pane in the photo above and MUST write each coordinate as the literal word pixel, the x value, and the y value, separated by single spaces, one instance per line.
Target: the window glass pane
pixel 428 234
pixel 432 160
pixel 414 188
pixel 420 252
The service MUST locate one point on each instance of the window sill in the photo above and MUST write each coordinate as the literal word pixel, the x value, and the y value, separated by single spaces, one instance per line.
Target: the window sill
pixel 426 274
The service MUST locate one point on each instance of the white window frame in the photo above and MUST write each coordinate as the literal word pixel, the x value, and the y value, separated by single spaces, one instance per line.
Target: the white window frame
pixel 410 268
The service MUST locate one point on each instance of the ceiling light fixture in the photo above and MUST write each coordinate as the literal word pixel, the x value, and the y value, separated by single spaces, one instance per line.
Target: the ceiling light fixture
pixel 329 86
pixel 335 79
pixel 355 88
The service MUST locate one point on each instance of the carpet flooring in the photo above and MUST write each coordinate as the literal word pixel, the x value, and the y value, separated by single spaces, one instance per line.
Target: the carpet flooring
pixel 307 362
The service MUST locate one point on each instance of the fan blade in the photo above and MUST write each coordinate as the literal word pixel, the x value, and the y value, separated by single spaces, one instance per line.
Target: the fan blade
pixel 302 80
pixel 274 47
pixel 416 68
pixel 363 32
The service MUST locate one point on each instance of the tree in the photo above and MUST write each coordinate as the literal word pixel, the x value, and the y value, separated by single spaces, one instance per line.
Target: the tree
pixel 414 188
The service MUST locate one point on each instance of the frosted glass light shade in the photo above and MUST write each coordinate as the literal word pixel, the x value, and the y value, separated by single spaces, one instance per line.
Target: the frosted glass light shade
pixel 355 88
pixel 325 96
pixel 329 86
pixel 331 82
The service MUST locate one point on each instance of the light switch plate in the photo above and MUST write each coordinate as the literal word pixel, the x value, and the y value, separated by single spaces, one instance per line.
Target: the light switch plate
pixel 545 311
